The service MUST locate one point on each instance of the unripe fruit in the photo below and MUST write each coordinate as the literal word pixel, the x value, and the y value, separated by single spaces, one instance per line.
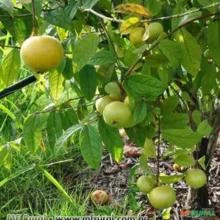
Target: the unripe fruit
pixel 102 102
pixel 117 114
pixel 99 197
pixel 136 35
pixel 162 197
pixel 195 178
pixel 130 102
pixel 113 89
pixel 41 53
pixel 145 183
pixel 154 30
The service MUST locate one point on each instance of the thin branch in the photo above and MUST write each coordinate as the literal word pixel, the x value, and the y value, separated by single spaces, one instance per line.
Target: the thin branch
pixel 182 14
pixel 158 150
pixel 102 16
pixel 34 21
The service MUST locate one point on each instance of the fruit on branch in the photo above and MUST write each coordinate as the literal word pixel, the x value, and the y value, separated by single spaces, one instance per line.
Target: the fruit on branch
pixel 102 102
pixel 114 90
pixel 162 197
pixel 117 114
pixel 99 197
pixel 146 183
pixel 41 53
pixel 136 35
pixel 154 30
pixel 195 178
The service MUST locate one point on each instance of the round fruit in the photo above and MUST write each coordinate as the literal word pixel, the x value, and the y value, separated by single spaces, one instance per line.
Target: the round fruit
pixel 136 35
pixel 41 53
pixel 113 89
pixel 162 197
pixel 154 30
pixel 145 183
pixel 102 102
pixel 99 197
pixel 195 178
pixel 117 114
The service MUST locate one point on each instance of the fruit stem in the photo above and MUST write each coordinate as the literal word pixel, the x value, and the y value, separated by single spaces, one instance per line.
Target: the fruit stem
pixel 158 150
pixel 34 21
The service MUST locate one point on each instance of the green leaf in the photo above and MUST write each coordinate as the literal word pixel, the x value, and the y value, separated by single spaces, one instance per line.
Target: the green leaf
pixel 84 49
pixel 111 139
pixel 184 159
pixel 32 131
pixel 168 179
pixel 88 81
pixel 172 51
pixel 88 4
pixel 10 67
pixel 67 134
pixel 62 16
pixel 208 2
pixel 170 104
pixel 7 6
pixel 144 85
pixel 91 146
pixel 139 112
pixel 214 40
pixel 191 52
pixel 103 57
pixel 174 121
pixel 57 184
pixel 204 128
pixel 54 127
pixel 154 6
pixel 149 148
pixel 184 138
pixel 56 80
pixel 201 162
pixel 68 118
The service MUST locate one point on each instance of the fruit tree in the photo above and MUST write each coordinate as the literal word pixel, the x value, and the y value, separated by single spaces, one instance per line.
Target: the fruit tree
pixel 78 72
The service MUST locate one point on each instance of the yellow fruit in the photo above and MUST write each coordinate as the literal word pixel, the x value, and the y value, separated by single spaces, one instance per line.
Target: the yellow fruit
pixel 136 35
pixel 162 197
pixel 117 114
pixel 99 197
pixel 102 102
pixel 41 53
pixel 195 178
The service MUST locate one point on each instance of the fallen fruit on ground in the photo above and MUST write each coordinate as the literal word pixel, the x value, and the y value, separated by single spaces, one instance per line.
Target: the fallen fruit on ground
pixel 99 197
pixel 162 197
pixel 146 183
pixel 113 89
pixel 195 178
pixel 117 114
pixel 136 35
pixel 41 53
pixel 101 103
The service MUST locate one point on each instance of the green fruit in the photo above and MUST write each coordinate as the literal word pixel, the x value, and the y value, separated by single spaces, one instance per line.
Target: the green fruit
pixel 113 89
pixel 154 30
pixel 102 102
pixel 146 183
pixel 162 197
pixel 117 114
pixel 136 35
pixel 195 178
